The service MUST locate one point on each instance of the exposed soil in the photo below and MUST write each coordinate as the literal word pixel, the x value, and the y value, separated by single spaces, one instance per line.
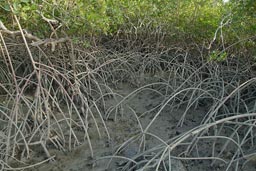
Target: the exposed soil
pixel 122 125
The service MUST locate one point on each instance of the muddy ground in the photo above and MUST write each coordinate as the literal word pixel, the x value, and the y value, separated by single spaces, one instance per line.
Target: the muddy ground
pixel 122 125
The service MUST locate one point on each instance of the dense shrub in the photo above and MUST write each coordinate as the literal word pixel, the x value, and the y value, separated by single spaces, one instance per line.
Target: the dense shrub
pixel 201 21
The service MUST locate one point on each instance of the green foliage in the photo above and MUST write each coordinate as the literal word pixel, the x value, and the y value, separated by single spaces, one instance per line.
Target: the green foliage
pixel 182 20
pixel 218 56
pixel 105 16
